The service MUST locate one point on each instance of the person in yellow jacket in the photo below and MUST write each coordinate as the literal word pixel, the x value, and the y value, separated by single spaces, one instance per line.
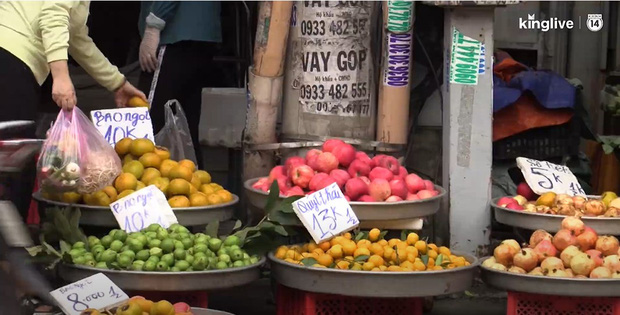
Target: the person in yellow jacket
pixel 36 38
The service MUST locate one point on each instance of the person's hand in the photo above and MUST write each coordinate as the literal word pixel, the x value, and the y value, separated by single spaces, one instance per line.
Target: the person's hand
pixel 148 49
pixel 63 93
pixel 125 92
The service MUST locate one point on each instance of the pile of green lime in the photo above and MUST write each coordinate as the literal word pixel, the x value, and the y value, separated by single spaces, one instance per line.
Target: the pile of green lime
pixel 158 249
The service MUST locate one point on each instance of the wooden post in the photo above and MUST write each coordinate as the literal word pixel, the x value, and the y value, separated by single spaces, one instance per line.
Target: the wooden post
pixel 265 88
pixel 393 112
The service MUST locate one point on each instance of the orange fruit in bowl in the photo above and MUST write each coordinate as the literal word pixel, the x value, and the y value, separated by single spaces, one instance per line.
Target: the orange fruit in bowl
pixel 182 172
pixel 122 147
pixel 150 160
pixel 189 164
pixel 178 187
pixel 179 202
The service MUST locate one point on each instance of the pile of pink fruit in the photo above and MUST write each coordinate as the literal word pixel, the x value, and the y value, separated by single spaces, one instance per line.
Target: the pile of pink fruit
pixel 360 177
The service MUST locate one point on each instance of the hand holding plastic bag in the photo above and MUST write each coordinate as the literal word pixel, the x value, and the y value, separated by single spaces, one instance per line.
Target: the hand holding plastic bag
pixel 175 134
pixel 75 157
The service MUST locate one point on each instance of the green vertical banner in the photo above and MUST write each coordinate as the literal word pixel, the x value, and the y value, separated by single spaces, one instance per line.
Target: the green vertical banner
pixel 464 59
pixel 399 16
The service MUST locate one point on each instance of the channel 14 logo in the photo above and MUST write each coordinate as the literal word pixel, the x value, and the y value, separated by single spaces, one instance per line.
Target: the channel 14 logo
pixel 594 23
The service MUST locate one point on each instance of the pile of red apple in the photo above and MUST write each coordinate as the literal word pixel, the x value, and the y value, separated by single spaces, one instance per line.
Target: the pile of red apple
pixel 360 177
pixel 575 251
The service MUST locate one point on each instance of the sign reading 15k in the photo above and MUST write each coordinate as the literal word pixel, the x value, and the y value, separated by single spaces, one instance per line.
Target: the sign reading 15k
pixel 464 59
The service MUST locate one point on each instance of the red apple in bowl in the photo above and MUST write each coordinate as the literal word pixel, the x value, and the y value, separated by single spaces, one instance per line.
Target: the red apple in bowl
pixel 359 168
pixel 292 162
pixel 393 199
pixel 402 172
pixel 277 171
pixel 301 175
pixel 366 198
pixel 341 177
pixel 330 144
pixel 380 172
pixel 316 179
pixel 326 162
pixel 414 183
pixel 524 190
pixel 398 188
pixel 379 189
pixel 295 191
pixel 390 163
pixel 425 194
pixel 355 188
pixel 362 156
pixel 311 158
pixel 345 153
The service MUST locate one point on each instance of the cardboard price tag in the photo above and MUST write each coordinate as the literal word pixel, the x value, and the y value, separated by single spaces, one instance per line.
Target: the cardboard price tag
pixel 325 213
pixel 95 292
pixel 464 59
pixel 116 124
pixel 543 176
pixel 143 208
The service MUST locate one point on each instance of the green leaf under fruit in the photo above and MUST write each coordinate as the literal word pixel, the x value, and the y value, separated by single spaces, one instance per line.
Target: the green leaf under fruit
pixel 361 258
pixel 35 250
pixel 274 195
pixel 309 261
pixel 439 260
pixel 212 228
pixel 424 259
pixel 237 225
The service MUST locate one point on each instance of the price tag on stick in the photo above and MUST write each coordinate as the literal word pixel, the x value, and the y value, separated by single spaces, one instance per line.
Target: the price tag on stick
pixel 95 292
pixel 119 123
pixel 143 208
pixel 325 213
pixel 543 176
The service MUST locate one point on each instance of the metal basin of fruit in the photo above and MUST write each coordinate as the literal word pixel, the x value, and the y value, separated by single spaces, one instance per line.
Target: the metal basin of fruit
pixel 383 284
pixel 168 281
pixel 102 216
pixel 551 222
pixel 548 285
pixel 375 211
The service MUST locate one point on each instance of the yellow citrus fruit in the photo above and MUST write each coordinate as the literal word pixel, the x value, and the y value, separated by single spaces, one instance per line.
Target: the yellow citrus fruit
pixel 421 247
pixel 337 240
pixel 363 243
pixel 196 181
pixel 149 175
pixel 347 235
pixel 134 167
pixel 111 192
pixel 356 266
pixel 387 252
pixel 204 176
pixel 206 189
pixel 161 183
pixel 324 246
pixel 361 251
pixel 312 246
pixel 432 254
pixel 419 265
pixel 182 172
pixel 101 199
pixel 343 264
pixel 189 164
pixel 216 187
pixel 163 153
pixel 349 248
pixel 178 187
pixel 179 202
pixel 376 260
pixel 336 251
pixel 122 147
pixel 376 249
pixel 225 195
pixel 125 181
pixel 546 199
pixel 281 252
pixel 412 238
pixel 71 197
pixel 140 185
pixel 166 166
pixel 198 200
pixel 382 242
pixel 394 268
pixel 127 158
pixel 139 147
pixel 87 198
pixel 383 268
pixel 214 199
pixel 433 247
pixel 374 234
pixel 325 260
pixel 368 266
pixel 150 160
pixel 137 102
pixel 445 251
pixel 393 242
pixel 192 189
pixel 125 193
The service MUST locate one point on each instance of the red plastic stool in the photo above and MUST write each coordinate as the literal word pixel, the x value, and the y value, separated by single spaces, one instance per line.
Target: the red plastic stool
pixel 296 302
pixel 520 303
pixel 193 298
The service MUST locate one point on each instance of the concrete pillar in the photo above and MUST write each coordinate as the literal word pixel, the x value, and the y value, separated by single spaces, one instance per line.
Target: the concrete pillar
pixel 467 134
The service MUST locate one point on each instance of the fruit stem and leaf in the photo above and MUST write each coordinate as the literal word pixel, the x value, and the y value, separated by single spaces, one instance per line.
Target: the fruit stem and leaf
pixel 309 261
pixel 361 258
pixel 61 227
pixel 609 143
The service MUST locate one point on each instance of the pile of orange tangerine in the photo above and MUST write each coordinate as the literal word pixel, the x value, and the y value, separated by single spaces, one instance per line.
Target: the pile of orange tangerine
pixel 372 253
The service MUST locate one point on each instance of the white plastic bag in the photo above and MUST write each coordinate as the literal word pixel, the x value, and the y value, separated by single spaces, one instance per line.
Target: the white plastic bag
pixel 175 134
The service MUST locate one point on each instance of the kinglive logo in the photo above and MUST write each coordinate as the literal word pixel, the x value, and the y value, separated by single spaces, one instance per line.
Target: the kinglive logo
pixel 544 25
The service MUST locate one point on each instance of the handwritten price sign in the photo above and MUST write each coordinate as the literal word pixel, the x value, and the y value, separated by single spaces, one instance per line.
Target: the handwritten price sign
pixel 543 177
pixel 96 292
pixel 116 124
pixel 325 213
pixel 143 208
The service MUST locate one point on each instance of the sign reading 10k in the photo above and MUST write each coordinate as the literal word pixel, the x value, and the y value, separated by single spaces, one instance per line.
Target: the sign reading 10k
pixel 325 213
pixel 143 208
pixel 543 177
pixel 119 123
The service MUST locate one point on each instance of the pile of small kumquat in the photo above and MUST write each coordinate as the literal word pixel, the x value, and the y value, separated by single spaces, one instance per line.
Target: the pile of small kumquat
pixel 369 251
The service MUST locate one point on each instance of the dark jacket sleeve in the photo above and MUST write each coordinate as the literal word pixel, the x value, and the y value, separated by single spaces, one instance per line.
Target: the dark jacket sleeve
pixel 164 10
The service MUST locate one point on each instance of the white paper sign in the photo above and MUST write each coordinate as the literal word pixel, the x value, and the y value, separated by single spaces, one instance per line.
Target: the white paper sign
pixel 143 208
pixel 96 292
pixel 543 176
pixel 119 123
pixel 326 213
